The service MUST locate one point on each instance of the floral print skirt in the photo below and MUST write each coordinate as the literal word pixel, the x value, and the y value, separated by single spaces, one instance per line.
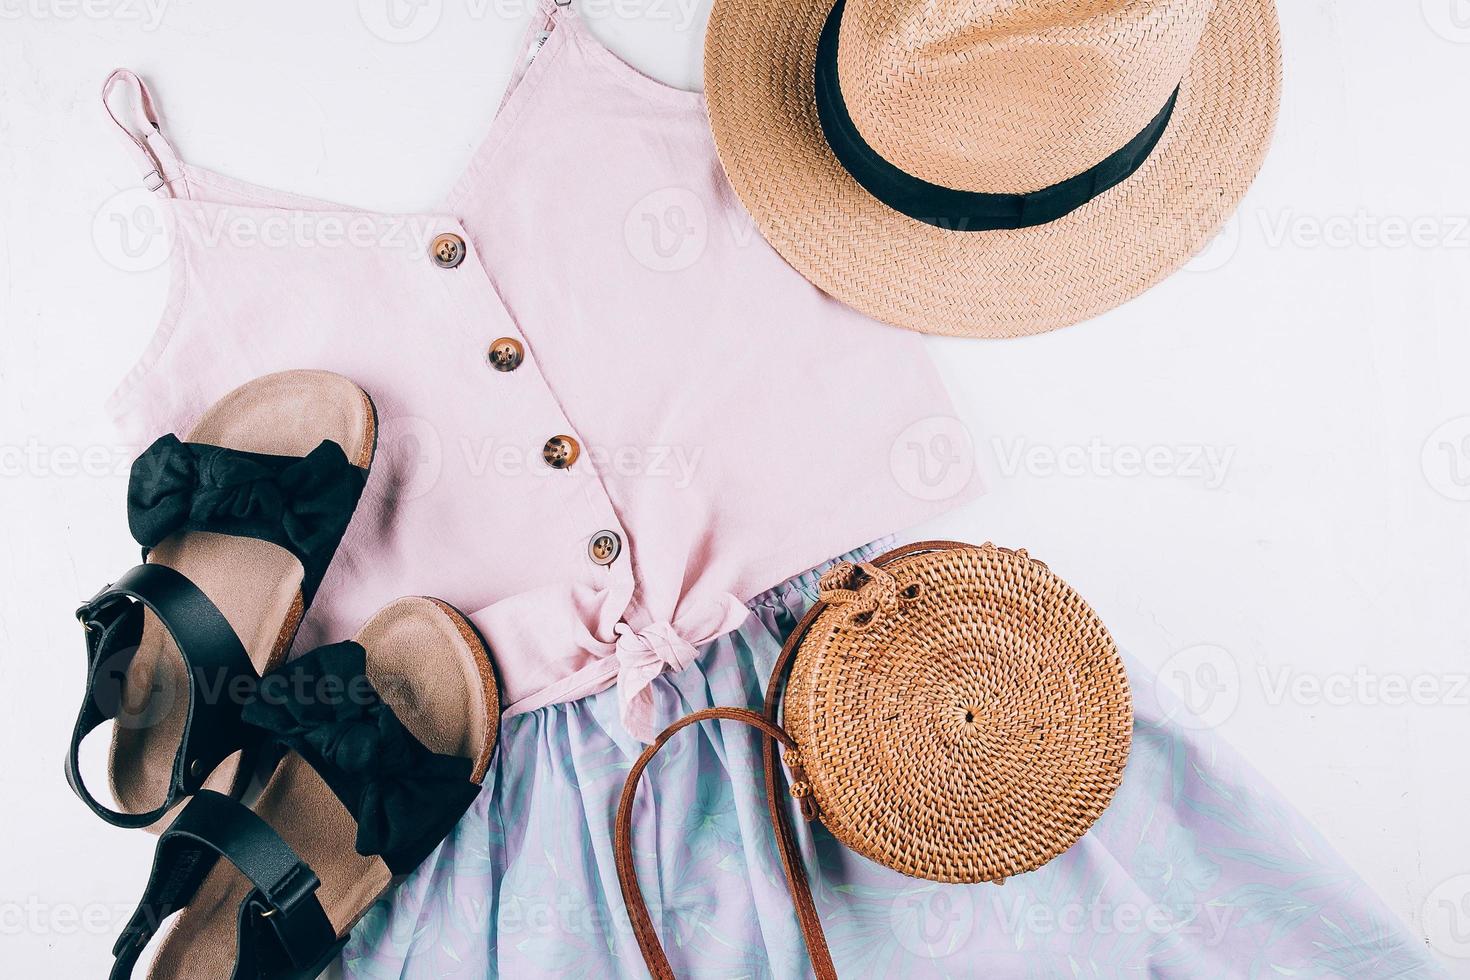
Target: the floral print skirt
pixel 1198 869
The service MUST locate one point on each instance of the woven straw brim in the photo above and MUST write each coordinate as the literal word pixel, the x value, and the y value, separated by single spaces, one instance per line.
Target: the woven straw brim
pixel 759 62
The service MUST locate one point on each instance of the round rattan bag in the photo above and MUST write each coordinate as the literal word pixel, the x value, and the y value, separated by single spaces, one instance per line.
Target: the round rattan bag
pixel 962 714
pixel 953 712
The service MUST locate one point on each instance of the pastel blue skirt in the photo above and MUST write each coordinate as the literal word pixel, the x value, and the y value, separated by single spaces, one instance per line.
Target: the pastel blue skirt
pixel 1198 869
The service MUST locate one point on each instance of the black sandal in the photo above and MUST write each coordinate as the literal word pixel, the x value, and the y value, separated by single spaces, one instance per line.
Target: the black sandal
pixel 238 526
pixel 387 740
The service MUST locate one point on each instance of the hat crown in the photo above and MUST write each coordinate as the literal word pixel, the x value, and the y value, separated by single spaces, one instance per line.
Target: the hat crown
pixel 1010 96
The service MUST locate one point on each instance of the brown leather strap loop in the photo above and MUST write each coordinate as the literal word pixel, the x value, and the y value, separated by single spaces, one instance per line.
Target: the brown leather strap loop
pixel 653 953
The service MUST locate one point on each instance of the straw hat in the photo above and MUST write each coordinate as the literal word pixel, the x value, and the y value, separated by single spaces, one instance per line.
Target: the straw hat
pixel 991 168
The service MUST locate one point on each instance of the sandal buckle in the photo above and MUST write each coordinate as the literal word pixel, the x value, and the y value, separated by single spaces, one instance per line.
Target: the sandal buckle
pixel 87 612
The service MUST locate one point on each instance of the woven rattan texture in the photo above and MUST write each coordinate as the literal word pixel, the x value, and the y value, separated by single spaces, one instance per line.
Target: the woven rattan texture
pixel 966 720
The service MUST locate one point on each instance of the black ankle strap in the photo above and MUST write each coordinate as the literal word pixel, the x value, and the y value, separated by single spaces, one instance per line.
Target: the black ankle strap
pixel 283 929
pixel 221 679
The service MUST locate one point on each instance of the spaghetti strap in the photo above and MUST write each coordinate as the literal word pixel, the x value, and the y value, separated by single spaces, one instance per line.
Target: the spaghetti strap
pixel 548 15
pixel 138 121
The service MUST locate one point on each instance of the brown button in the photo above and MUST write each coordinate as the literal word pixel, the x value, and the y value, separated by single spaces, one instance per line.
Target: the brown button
pixel 560 452
pixel 506 354
pixel 448 250
pixel 604 547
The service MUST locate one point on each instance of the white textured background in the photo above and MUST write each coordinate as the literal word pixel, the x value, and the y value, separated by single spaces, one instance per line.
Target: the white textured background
pixel 1259 473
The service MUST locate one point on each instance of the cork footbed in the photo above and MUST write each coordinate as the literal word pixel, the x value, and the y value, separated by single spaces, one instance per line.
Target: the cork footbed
pixel 428 663
pixel 255 584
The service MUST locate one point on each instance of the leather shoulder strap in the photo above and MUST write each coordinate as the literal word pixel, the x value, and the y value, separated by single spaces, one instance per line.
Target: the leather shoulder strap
pixel 653 953
pixel 801 895
pixel 772 732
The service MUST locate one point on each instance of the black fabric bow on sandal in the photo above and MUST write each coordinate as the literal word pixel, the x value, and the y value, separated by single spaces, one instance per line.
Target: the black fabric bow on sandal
pixel 358 799
pixel 399 791
pixel 238 527
pixel 302 504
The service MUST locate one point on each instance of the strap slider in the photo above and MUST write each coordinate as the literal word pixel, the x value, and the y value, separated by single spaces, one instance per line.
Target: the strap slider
pixel 154 180
pixel 133 938
pixel 97 598
pixel 294 887
pixel 87 612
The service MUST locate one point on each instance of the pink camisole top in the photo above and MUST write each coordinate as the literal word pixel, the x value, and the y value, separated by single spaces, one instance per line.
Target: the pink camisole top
pixel 609 412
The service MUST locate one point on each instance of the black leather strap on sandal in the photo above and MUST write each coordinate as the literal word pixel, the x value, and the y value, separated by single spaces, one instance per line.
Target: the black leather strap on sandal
pixel 284 932
pixel 221 679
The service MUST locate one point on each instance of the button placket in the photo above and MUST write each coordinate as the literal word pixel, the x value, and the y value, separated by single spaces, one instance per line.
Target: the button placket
pixel 604 550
